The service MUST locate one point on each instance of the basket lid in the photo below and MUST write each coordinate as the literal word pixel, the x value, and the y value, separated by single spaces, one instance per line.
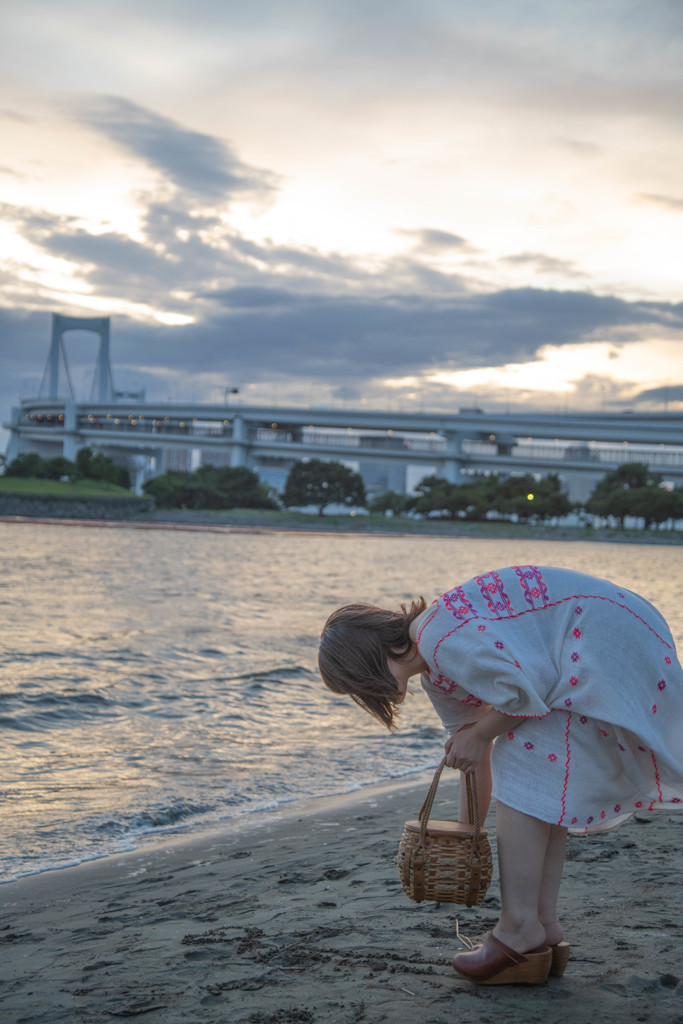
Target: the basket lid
pixel 444 828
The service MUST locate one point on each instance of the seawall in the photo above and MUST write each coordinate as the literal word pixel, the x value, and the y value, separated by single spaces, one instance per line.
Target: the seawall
pixel 67 507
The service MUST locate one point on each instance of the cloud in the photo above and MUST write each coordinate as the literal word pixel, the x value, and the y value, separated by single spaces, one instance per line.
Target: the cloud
pixel 433 240
pixel 270 310
pixel 544 264
pixel 192 161
pixel 264 335
pixel 673 203
pixel 255 298
pixel 668 393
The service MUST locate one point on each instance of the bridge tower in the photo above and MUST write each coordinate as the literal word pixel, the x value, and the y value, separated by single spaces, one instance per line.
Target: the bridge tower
pixel 102 385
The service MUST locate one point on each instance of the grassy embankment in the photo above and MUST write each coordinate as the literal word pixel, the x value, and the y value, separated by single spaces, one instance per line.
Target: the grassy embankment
pixel 61 489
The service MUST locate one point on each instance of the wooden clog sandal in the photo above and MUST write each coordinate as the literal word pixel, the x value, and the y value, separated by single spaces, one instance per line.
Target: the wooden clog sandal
pixel 560 958
pixel 494 963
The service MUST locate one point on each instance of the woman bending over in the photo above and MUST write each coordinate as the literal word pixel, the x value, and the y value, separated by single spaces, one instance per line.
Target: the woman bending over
pixel 563 692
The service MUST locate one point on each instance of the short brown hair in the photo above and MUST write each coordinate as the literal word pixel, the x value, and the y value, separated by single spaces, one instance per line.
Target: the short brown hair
pixel 354 646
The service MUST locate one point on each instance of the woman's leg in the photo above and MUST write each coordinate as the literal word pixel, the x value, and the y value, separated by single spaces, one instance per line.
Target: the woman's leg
pixel 530 859
pixel 550 884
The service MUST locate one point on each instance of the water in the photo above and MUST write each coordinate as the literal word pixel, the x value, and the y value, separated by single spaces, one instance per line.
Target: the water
pixel 160 681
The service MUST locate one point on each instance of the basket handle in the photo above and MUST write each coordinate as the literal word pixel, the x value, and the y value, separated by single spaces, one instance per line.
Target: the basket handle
pixel 472 802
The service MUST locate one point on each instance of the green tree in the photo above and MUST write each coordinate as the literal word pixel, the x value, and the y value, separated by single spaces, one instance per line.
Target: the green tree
pixel 389 501
pixel 532 500
pixel 103 468
pixel 321 483
pixel 626 491
pixel 473 499
pixel 83 460
pixel 210 487
pixel 434 494
pixel 231 487
pixel 482 493
pixel 28 464
pixel 91 466
pixel 173 489
pixel 59 467
pixel 655 504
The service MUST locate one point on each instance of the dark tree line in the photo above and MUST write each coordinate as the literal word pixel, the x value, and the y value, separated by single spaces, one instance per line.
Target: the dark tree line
pixel 631 490
pixel 86 466
pixel 212 487
pixel 309 483
pixel 528 499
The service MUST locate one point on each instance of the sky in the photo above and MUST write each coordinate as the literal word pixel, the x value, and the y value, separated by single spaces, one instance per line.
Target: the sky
pixel 414 206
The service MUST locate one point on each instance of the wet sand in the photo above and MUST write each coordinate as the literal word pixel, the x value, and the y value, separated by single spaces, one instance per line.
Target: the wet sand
pixel 304 921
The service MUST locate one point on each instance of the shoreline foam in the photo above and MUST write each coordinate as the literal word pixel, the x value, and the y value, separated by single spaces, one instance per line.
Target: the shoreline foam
pixel 237 826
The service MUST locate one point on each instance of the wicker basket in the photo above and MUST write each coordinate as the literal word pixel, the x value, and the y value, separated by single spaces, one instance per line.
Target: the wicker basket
pixel 446 861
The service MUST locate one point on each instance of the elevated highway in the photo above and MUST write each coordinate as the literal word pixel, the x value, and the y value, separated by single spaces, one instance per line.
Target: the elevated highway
pixel 391 450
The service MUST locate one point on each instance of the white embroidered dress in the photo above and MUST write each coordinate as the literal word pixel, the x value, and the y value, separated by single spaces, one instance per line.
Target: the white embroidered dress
pixel 593 669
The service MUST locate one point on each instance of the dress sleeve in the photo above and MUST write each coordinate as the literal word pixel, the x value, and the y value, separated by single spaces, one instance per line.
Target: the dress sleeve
pixel 493 672
pixel 453 711
pixel 492 662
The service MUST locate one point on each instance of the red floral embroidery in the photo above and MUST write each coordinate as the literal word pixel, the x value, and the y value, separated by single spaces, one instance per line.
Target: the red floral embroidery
pixel 590 819
pixel 654 709
pixel 511 735
pixel 528 745
pixel 500 645
pixel 675 800
pixel 578 610
pixel 575 656
pixel 583 719
pixel 568 702
pixel 447 685
pixel 667 660
pixel 617 808
pixel 517 664
pixel 577 633
pixel 552 757
pixel 602 814
pixel 661 685
pixel 639 803
pixel 482 629
pixel 574 821
pixel 574 681
pixel 603 732
pixel 622 748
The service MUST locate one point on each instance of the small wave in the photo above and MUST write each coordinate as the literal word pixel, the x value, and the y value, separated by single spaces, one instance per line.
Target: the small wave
pixel 13 722
pixel 33 713
pixel 163 817
pixel 79 698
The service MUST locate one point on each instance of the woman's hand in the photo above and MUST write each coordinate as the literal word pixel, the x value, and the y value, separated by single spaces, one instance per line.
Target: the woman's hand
pixel 466 749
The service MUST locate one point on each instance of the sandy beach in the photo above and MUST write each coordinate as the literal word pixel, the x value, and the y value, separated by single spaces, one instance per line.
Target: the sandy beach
pixel 303 920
